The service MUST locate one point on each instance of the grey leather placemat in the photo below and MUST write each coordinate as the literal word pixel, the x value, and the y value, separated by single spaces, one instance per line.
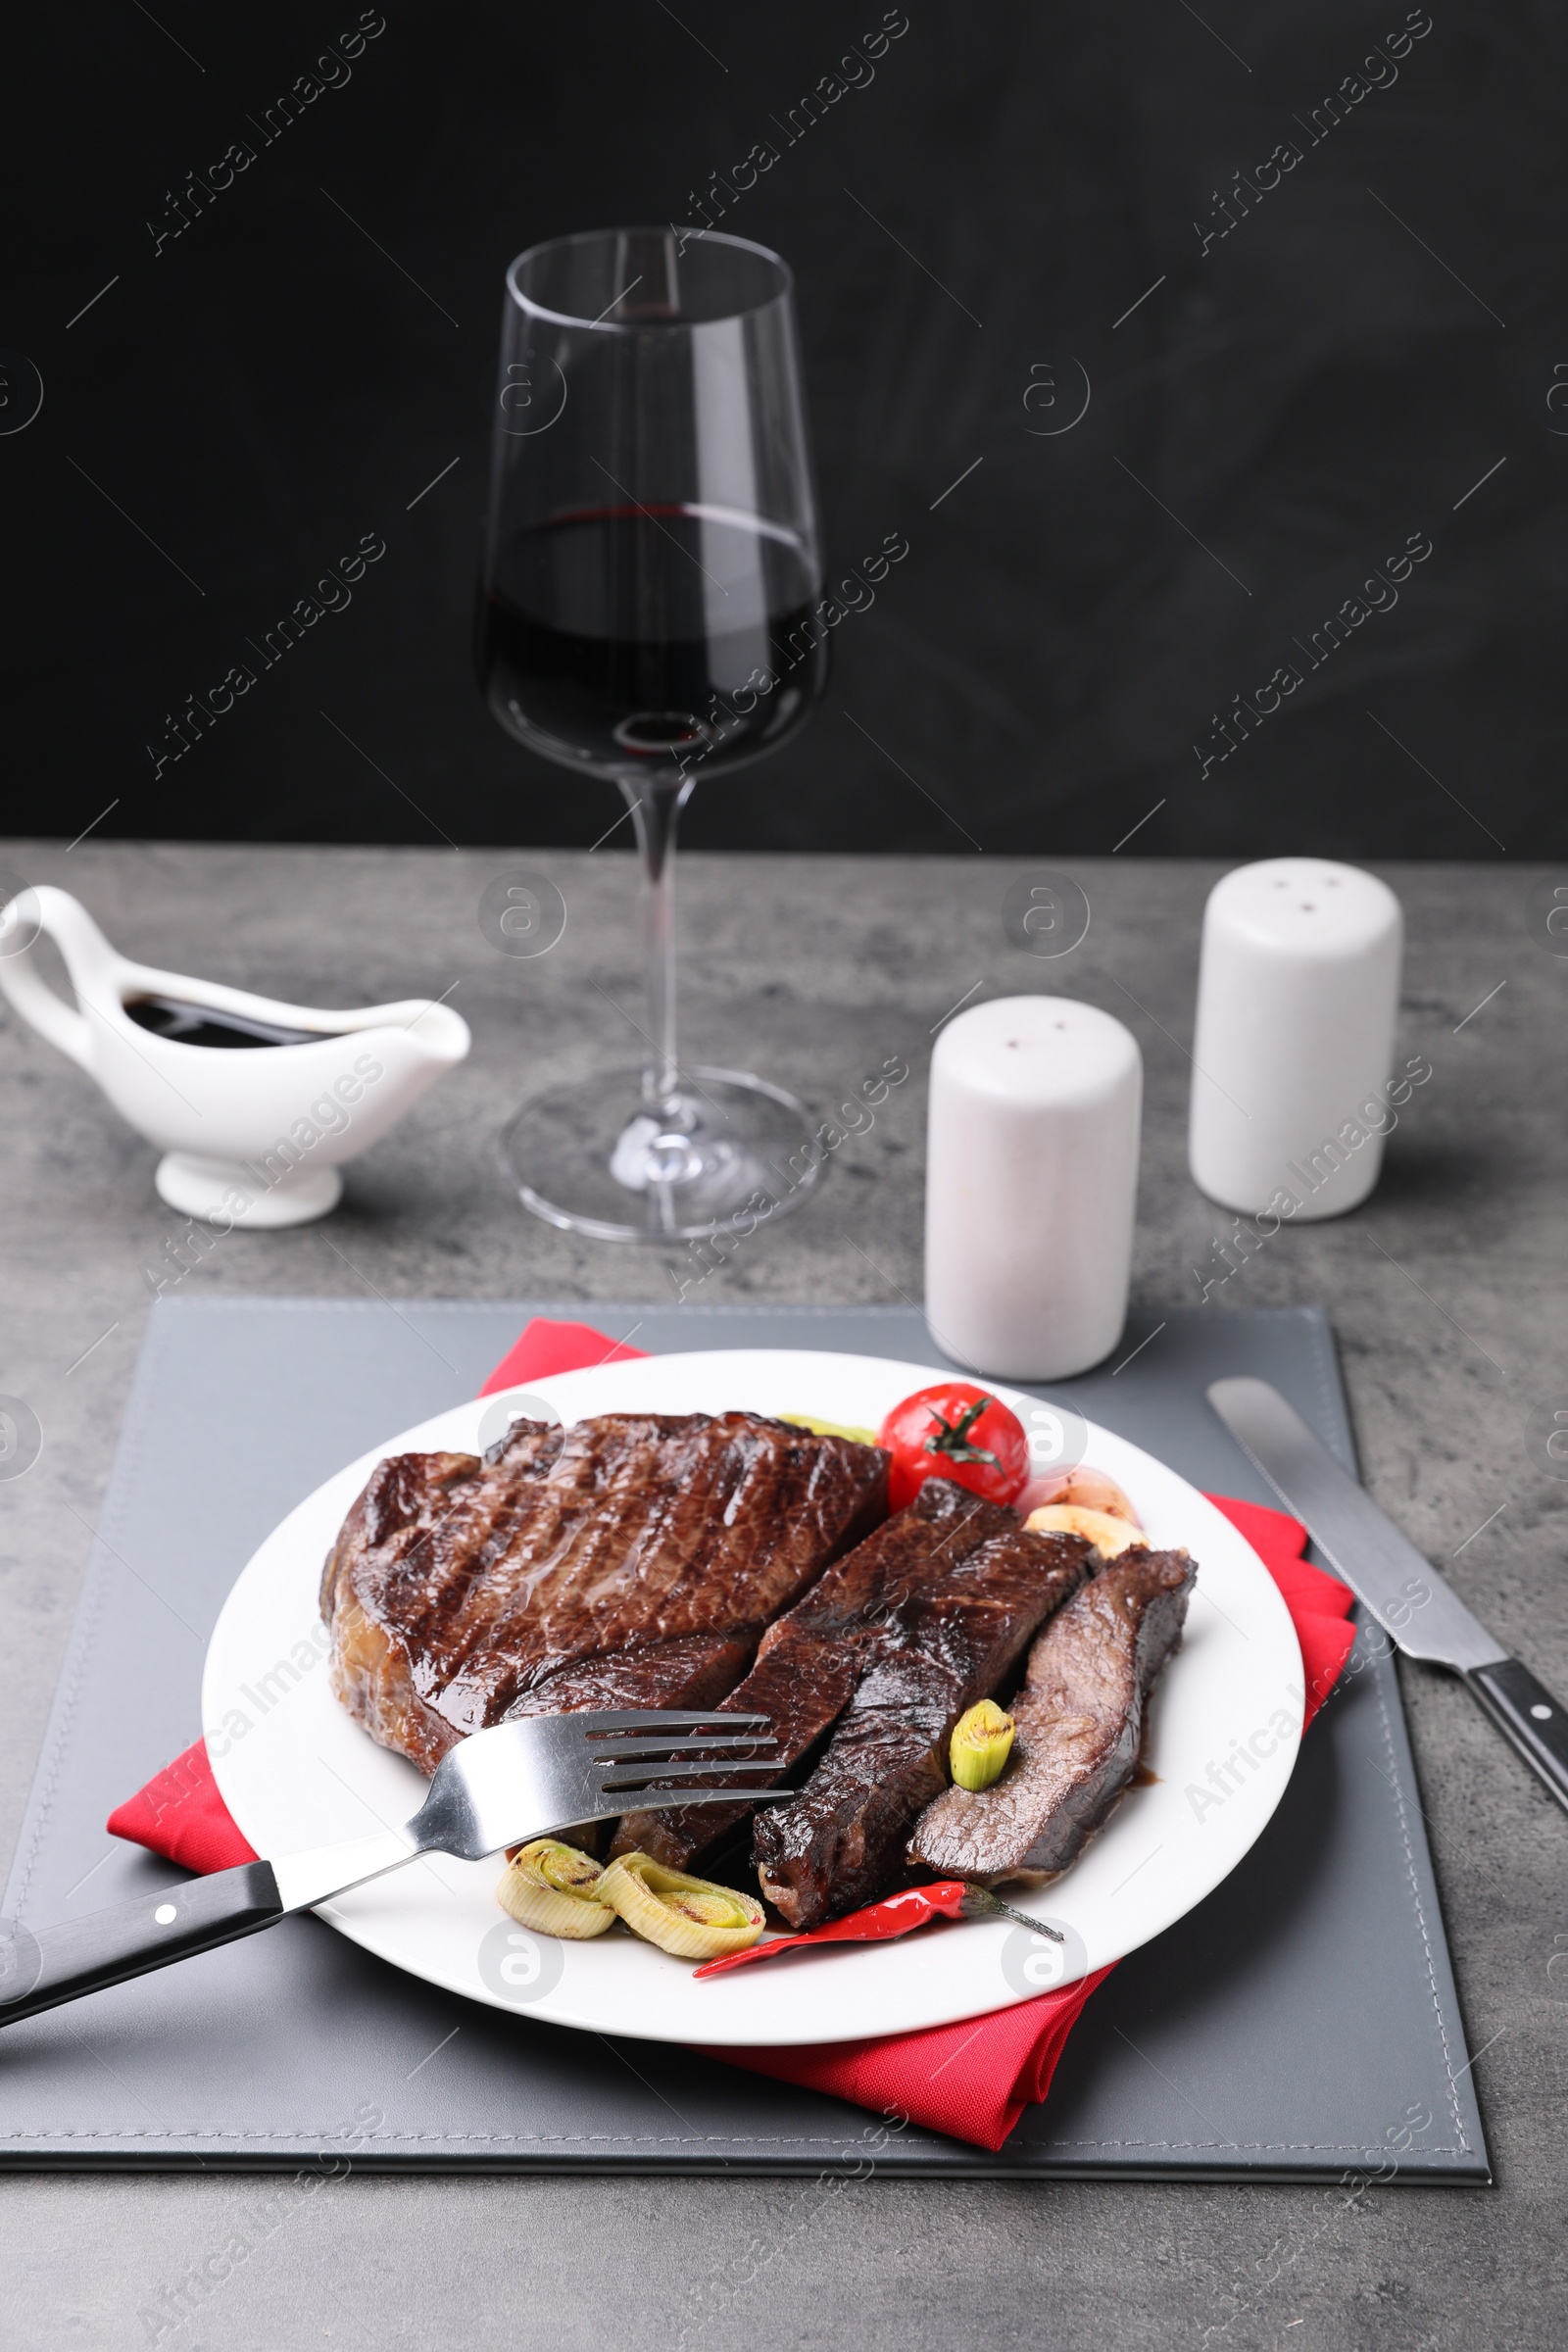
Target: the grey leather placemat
pixel 1301 2023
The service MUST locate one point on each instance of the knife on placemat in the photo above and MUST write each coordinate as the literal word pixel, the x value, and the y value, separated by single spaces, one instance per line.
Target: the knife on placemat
pixel 1414 1606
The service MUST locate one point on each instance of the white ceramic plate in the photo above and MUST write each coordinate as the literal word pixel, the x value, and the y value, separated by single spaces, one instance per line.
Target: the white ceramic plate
pixel 295 1771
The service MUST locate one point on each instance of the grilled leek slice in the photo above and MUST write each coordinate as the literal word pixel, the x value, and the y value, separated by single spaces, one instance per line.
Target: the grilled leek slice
pixel 553 1887
pixel 691 1918
pixel 981 1742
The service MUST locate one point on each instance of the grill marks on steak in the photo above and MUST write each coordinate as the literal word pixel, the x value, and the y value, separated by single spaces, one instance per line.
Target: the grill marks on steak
pixel 893 1642
pixel 632 1559
pixel 1079 1727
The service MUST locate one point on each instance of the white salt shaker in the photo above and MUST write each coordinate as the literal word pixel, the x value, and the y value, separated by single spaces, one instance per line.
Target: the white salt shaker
pixel 1031 1186
pixel 1298 995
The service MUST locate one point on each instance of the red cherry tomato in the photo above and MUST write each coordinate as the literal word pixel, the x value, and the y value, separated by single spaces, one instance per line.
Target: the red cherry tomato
pixel 955 1431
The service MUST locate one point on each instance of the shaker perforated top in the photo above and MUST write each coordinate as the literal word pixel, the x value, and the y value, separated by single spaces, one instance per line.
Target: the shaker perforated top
pixel 1305 906
pixel 1039 1050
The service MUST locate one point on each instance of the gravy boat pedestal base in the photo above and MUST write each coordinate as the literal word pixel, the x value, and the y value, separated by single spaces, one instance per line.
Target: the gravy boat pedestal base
pixel 209 1188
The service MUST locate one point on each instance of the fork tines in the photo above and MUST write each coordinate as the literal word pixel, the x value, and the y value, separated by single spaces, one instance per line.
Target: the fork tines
pixel 651 1720
pixel 615 1771
pixel 620 1776
pixel 624 1738
pixel 652 1796
pixel 641 1753
pixel 622 1749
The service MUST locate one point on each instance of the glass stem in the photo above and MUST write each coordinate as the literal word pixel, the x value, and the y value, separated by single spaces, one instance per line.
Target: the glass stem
pixel 655 806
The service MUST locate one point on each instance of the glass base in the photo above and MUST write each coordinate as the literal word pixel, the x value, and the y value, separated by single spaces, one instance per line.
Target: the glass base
pixel 725 1155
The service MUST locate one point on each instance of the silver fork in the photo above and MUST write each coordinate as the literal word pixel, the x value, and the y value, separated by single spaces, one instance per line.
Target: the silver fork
pixel 498 1788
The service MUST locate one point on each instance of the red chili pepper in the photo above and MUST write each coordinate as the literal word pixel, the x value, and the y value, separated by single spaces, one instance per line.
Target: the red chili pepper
pixel 879 1923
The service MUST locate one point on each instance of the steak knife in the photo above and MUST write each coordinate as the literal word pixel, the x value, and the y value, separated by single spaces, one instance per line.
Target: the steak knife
pixel 1414 1606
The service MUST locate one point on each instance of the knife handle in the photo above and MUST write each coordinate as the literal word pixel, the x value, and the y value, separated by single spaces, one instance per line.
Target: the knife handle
pixel 44 1965
pixel 1529 1718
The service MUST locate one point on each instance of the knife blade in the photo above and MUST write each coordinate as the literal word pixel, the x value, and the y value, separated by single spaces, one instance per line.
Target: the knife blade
pixel 1417 1607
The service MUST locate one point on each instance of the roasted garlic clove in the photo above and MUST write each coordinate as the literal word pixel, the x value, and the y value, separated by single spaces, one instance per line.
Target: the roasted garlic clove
pixel 981 1742
pixel 691 1918
pixel 1080 1489
pixel 552 1887
pixel 1107 1534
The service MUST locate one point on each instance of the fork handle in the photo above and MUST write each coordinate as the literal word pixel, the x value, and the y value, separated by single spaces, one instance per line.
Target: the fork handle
pixel 43 1966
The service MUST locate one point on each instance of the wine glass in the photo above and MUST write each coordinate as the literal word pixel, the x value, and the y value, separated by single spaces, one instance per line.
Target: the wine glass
pixel 648 615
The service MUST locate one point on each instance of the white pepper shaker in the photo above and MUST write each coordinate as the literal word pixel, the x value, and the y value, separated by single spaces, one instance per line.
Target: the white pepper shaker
pixel 1298 996
pixel 1031 1186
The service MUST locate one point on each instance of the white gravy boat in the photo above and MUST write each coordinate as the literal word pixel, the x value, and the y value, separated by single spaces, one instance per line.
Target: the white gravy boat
pixel 253 1132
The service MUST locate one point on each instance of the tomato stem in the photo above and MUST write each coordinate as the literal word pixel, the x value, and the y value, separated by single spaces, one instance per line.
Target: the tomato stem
pixel 951 1438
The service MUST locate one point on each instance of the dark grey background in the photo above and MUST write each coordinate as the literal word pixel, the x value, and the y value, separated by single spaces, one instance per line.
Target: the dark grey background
pixel 1331 377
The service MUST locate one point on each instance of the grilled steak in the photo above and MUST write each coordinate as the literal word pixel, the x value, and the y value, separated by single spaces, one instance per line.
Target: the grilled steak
pixel 631 1560
pixel 809 1663
pixel 1079 1719
pixel 954 1641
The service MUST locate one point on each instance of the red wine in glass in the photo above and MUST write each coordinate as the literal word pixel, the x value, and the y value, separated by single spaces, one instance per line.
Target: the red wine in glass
pixel 640 640
pixel 649 613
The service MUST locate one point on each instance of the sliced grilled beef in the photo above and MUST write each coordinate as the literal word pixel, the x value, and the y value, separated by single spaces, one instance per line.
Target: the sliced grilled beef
pixel 631 1560
pixel 808 1663
pixel 955 1639
pixel 1079 1719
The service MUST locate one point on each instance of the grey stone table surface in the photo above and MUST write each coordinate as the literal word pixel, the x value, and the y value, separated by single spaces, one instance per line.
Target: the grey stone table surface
pixel 1448 1295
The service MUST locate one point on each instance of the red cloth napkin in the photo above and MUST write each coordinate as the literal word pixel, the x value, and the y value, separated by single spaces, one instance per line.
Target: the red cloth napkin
pixel 545 1347
pixel 971 2081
